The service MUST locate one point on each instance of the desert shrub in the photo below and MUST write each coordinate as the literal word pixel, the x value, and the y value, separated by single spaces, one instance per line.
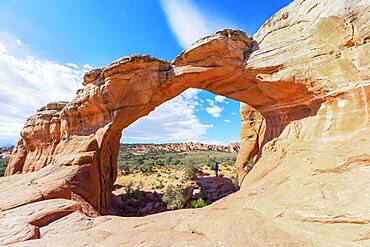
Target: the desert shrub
pixel 235 180
pixel 231 161
pixel 175 162
pixel 211 162
pixel 3 165
pixel 168 161
pixel 173 196
pixel 200 203
pixel 159 186
pixel 249 166
pixel 191 170
pixel 124 166
pixel 129 190
pixel 147 166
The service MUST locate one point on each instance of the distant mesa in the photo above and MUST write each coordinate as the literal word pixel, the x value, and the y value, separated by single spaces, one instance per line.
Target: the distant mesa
pixel 182 147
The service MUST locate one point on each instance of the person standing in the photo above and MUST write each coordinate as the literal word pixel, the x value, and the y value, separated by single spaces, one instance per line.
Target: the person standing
pixel 216 169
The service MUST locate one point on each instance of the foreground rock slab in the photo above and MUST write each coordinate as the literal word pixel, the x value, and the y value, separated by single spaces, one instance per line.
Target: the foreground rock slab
pixel 305 78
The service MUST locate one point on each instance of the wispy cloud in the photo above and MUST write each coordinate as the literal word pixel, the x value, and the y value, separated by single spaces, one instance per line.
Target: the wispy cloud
pixel 227 121
pixel 189 23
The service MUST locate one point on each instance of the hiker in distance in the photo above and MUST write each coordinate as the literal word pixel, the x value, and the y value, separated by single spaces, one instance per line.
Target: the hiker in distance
pixel 216 169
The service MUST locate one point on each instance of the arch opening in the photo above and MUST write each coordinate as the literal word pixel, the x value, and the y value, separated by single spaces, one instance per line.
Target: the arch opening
pixel 177 162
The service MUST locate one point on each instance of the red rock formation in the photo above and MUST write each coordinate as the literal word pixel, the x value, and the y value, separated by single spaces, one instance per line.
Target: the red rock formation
pixel 40 136
pixel 112 98
pixel 306 72
pixel 251 136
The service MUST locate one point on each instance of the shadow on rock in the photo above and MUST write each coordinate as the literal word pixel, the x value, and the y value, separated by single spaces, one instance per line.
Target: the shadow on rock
pixel 138 203
pixel 215 188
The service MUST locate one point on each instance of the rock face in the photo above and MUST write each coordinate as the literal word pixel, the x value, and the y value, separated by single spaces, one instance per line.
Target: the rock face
pixel 305 75
pixel 139 203
pixel 252 131
pixel 214 188
pixel 39 137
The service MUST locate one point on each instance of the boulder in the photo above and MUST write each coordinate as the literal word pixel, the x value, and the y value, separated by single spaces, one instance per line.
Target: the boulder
pixel 214 188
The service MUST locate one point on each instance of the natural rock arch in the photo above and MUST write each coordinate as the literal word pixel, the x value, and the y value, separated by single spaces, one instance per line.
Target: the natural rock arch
pixel 115 96
pixel 305 78
pixel 281 85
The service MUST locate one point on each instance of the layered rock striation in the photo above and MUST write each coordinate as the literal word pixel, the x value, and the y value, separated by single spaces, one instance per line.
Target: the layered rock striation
pixel 305 78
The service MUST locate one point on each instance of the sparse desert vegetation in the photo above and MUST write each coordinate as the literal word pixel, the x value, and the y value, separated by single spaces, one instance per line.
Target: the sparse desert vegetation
pixel 156 169
pixel 4 158
pixel 170 175
pixel 3 164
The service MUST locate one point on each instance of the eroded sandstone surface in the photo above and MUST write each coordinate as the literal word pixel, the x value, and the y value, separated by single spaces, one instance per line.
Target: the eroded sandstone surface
pixel 305 78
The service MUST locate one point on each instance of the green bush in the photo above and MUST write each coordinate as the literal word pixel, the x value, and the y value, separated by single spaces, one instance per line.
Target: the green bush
pixel 132 191
pixel 175 162
pixel 235 180
pixel 200 203
pixel 211 162
pixel 191 171
pixel 146 166
pixel 129 190
pixel 174 197
pixel 249 166
pixel 3 165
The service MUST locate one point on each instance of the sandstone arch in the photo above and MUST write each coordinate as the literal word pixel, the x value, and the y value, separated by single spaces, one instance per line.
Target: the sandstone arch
pixel 114 97
pixel 306 71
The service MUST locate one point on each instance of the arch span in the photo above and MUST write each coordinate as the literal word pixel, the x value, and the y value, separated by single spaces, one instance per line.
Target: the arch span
pixel 86 131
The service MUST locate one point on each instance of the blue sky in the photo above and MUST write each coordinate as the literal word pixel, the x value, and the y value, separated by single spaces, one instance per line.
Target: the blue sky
pixel 46 46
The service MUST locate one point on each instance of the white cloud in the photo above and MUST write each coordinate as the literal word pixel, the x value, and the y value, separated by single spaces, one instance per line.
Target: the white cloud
pixel 215 142
pixel 87 67
pixel 220 98
pixel 72 65
pixel 215 111
pixel 210 102
pixel 173 121
pixel 28 83
pixel 189 23
pixel 2 48
pixel 227 121
pixel 234 113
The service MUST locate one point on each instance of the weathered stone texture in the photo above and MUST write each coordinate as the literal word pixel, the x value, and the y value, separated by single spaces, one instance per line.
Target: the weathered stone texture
pixel 304 76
